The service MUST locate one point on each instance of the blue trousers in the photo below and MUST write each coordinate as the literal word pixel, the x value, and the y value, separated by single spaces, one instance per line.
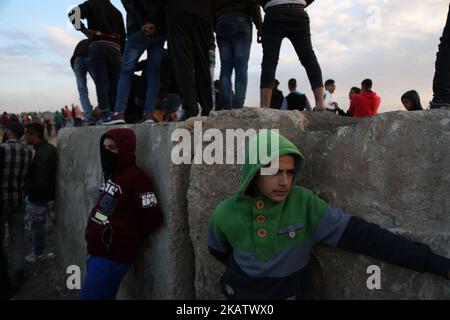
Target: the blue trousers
pixel 103 279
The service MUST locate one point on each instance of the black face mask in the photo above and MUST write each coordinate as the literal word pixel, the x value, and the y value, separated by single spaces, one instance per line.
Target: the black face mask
pixel 110 161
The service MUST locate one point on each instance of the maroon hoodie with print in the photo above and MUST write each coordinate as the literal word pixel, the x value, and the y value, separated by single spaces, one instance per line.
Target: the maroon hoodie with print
pixel 127 209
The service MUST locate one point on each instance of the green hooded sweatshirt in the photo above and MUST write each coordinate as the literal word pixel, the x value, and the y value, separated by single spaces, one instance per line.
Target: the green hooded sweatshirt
pixel 267 245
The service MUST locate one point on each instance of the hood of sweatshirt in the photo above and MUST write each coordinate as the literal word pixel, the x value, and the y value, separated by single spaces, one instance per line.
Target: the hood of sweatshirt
pixel 126 143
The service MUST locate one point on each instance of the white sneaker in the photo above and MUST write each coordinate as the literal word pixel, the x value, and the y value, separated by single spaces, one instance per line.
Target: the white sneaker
pixel 181 115
pixel 32 258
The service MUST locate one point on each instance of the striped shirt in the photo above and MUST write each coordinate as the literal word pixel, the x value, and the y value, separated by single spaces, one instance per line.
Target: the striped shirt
pixel 15 159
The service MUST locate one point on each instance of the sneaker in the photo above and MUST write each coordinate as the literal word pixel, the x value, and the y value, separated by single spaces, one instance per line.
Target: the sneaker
pixel 33 259
pixel 89 123
pixel 116 118
pixel 103 118
pixel 180 115
pixel 159 116
pixel 148 118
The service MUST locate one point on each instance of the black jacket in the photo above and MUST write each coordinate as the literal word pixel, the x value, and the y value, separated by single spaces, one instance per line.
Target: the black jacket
pixel 196 7
pixel 245 8
pixel 296 101
pixel 277 99
pixel 42 176
pixel 140 12
pixel 103 16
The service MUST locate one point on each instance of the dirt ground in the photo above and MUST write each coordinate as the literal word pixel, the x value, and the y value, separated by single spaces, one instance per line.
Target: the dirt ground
pixel 46 280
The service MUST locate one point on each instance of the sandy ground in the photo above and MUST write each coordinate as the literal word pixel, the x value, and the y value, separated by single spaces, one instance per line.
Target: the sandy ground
pixel 46 280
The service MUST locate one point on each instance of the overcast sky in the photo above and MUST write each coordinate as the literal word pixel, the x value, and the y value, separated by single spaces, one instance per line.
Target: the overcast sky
pixel 392 42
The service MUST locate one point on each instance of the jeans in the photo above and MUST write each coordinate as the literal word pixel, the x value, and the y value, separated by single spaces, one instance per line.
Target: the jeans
pixel 81 69
pixel 15 217
pixel 37 215
pixel 104 64
pixel 441 82
pixel 292 22
pixel 189 44
pixel 234 38
pixel 103 279
pixel 137 44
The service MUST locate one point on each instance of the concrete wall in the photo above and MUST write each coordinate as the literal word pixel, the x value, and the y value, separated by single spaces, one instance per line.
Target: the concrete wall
pixel 166 269
pixel 393 170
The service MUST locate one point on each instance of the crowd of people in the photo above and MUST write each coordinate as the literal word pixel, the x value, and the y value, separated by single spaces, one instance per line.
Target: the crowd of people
pixel 27 190
pixel 270 262
pixel 176 81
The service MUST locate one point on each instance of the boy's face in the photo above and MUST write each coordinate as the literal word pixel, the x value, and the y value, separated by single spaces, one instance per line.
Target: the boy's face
pixel 31 138
pixel 408 104
pixel 278 186
pixel 331 88
pixel 111 145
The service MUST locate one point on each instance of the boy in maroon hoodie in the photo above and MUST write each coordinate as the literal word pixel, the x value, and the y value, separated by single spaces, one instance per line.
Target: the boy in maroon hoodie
pixel 125 214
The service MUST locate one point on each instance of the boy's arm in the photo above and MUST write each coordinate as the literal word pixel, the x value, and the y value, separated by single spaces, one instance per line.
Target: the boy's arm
pixel 218 245
pixel 355 235
pixel 372 240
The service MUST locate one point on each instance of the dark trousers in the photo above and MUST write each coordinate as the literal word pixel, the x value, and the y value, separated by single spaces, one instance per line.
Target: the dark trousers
pixel 189 42
pixel 104 65
pixel 5 284
pixel 441 83
pixel 292 22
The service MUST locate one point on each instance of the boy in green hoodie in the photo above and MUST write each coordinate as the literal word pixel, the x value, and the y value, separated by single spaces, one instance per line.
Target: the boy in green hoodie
pixel 265 233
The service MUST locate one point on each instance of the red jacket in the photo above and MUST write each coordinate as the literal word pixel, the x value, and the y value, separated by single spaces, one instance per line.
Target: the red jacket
pixel 128 204
pixel 365 104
